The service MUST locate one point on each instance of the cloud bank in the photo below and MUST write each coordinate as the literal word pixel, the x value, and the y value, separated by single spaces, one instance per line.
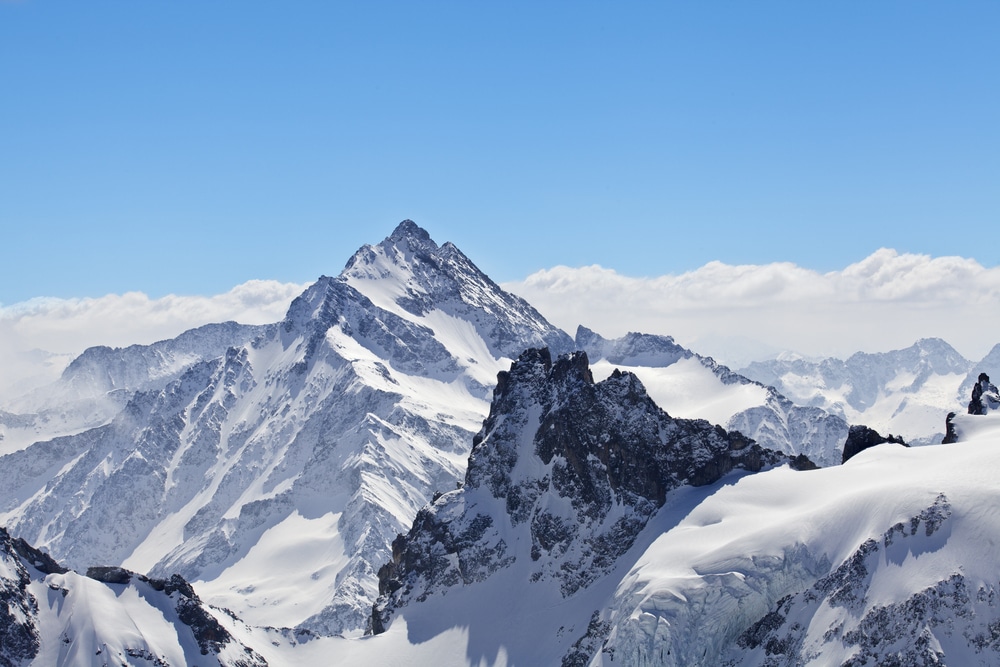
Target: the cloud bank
pixel 886 301
pixel 734 313
pixel 39 337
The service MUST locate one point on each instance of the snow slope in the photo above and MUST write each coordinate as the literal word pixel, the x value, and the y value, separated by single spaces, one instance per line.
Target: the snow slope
pixel 54 617
pixel 884 558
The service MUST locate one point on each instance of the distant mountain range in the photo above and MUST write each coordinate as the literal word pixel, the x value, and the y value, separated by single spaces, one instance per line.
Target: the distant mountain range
pixel 535 477
pixel 902 392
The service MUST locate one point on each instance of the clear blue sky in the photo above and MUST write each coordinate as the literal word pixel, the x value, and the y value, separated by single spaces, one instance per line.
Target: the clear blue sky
pixel 186 147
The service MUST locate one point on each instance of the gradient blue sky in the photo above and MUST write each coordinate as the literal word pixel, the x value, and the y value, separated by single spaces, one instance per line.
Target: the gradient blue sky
pixel 186 147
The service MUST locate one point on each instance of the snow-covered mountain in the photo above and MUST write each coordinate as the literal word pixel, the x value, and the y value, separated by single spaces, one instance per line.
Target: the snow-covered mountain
pixel 53 616
pixel 96 385
pixel 688 385
pixel 624 502
pixel 318 437
pixel 563 476
pixel 904 392
pixel 888 559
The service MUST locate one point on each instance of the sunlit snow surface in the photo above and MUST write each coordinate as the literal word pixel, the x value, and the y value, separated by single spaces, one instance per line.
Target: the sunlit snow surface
pixel 83 622
pixel 713 561
pixel 687 389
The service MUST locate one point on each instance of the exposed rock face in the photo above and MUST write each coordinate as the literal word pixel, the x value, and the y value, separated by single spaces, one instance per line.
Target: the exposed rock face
pixel 570 468
pixel 19 634
pixel 860 438
pixel 27 575
pixel 985 397
pixel 774 422
pixel 950 432
pixel 212 638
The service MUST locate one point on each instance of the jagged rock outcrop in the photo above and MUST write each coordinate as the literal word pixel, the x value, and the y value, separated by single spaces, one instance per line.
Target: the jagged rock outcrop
pixel 860 438
pixel 735 402
pixel 565 472
pixel 211 636
pixel 985 397
pixel 984 400
pixel 111 613
pixel 950 432
pixel 19 633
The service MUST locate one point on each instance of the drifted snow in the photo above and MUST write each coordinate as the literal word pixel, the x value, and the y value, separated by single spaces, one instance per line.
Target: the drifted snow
pixel 706 580
pixel 282 576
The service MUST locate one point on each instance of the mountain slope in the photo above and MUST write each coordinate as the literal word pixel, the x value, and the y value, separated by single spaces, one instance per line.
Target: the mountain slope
pixel 97 384
pixel 890 558
pixel 322 435
pixel 53 616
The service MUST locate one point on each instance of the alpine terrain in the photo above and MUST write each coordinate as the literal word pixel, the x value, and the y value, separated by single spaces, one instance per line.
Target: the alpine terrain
pixel 902 391
pixel 414 467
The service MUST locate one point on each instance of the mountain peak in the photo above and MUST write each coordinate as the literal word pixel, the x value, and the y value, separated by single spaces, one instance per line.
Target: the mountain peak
pixel 409 230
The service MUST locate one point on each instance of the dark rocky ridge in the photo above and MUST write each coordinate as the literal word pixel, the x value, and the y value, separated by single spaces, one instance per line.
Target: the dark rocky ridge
pixel 603 447
pixel 776 423
pixel 860 438
pixel 985 397
pixel 212 638
pixel 19 635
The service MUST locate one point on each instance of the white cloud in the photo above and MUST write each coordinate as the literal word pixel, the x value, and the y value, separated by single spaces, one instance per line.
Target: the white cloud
pixel 886 301
pixel 66 327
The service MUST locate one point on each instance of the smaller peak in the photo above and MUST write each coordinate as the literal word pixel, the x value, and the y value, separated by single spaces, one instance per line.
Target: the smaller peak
pixel 588 338
pixel 408 229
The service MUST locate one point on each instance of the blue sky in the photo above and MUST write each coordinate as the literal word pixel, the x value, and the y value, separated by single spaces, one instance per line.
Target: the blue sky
pixel 183 147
